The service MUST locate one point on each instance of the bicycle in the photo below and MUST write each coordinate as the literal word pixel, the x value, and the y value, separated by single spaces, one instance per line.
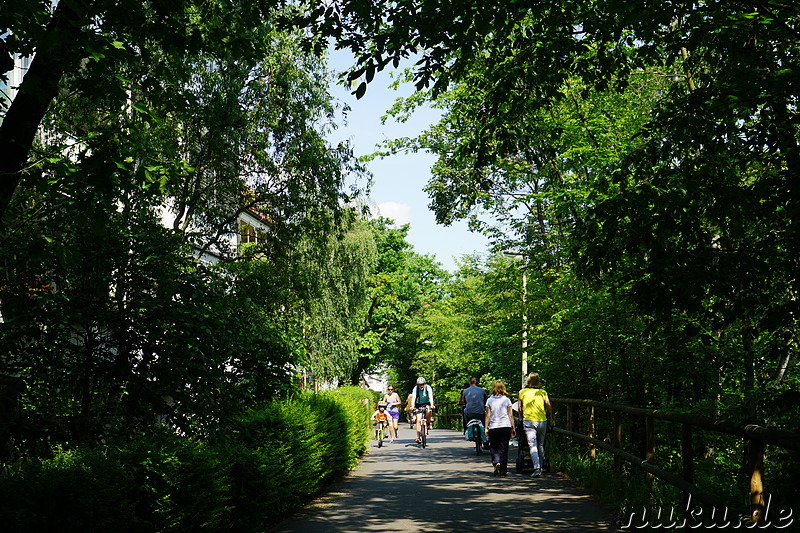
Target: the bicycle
pixel 423 425
pixel 380 431
pixel 475 433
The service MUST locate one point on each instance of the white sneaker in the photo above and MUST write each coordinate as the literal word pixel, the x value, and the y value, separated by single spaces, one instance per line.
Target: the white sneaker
pixel 537 473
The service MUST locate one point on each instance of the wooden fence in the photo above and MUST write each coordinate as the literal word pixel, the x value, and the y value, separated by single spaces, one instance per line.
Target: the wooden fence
pixel 448 415
pixel 756 437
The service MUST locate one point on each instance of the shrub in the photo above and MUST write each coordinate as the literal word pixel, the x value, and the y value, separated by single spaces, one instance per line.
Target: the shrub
pixel 282 453
pixel 76 490
pixel 273 460
pixel 155 483
pixel 350 421
pixel 179 484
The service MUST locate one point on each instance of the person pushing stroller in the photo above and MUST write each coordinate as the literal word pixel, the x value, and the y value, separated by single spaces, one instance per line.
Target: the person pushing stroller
pixel 535 411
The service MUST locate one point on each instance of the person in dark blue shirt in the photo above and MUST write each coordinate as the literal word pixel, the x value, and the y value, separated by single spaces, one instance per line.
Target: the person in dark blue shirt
pixel 474 401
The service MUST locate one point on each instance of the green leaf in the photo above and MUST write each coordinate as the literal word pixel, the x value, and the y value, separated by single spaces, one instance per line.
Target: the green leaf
pixel 361 90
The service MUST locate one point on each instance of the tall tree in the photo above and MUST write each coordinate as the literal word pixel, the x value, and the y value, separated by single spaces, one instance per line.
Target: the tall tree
pixel 401 283
pixel 106 314
pixel 473 330
pixel 95 39
pixel 696 213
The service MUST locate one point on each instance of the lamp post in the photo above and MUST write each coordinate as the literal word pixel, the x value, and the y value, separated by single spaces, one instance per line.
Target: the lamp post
pixel 524 324
pixel 517 253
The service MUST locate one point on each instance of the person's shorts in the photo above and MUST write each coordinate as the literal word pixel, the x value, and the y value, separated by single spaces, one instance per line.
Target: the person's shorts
pixel 395 414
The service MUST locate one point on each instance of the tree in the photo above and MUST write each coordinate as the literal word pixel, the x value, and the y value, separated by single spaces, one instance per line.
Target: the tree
pixel 694 214
pixel 106 314
pixel 400 284
pixel 91 41
pixel 126 331
pixel 473 330
pixel 337 304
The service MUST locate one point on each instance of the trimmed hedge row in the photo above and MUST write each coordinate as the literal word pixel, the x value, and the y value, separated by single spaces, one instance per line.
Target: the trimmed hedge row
pixel 271 461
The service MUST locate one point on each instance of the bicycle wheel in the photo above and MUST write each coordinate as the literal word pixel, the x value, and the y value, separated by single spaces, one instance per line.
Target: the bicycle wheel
pixel 423 438
pixel 379 436
pixel 478 446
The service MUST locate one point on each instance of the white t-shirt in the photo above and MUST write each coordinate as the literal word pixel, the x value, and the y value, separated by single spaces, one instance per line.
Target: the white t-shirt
pixel 499 406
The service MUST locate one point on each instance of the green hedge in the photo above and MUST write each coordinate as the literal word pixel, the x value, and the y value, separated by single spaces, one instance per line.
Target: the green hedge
pixel 271 461
pixel 75 488
pixel 304 442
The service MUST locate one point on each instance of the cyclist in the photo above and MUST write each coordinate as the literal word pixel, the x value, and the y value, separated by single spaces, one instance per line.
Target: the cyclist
pixel 381 416
pixel 392 400
pixel 474 401
pixel 409 409
pixel 423 399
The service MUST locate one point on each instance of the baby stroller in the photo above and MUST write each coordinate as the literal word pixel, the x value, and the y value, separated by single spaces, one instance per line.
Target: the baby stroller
pixel 524 458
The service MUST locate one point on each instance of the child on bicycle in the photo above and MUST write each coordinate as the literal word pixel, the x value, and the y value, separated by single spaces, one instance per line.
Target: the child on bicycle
pixel 381 416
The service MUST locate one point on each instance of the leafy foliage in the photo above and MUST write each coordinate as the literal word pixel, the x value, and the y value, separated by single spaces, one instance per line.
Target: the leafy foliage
pixel 401 283
pixel 270 462
pixel 157 483
pixel 644 161
pixel 109 323
pixel 473 330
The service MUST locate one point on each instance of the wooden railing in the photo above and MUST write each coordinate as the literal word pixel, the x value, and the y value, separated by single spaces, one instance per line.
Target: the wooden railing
pixel 448 415
pixel 756 437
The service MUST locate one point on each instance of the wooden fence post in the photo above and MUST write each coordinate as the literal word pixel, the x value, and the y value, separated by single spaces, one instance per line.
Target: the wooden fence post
pixel 569 417
pixel 617 441
pixel 755 469
pixel 650 442
pixel 592 451
pixel 687 463
pixel 569 423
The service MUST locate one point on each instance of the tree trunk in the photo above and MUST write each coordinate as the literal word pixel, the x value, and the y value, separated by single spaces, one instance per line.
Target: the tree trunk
pixel 58 51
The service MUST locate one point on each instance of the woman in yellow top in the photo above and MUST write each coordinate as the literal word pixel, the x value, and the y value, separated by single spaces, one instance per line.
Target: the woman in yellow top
pixel 536 411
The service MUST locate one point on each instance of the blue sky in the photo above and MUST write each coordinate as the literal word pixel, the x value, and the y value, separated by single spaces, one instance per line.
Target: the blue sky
pixel 399 179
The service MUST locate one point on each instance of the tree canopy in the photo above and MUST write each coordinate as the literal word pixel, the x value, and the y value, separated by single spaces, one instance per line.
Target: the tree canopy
pixel 651 149
pixel 121 289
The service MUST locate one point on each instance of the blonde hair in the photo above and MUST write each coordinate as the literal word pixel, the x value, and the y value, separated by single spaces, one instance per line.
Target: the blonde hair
pixel 534 381
pixel 499 389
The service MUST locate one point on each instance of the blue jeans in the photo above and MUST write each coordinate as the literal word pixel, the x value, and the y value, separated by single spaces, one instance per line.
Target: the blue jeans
pixel 535 432
pixel 470 416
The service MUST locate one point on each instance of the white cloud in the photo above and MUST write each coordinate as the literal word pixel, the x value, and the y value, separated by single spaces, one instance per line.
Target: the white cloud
pixel 400 213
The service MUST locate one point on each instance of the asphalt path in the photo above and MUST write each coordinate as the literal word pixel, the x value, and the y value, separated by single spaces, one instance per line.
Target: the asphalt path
pixel 446 487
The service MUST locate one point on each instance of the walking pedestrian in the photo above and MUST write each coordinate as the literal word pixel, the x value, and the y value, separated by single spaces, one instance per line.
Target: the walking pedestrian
pixel 499 427
pixel 536 411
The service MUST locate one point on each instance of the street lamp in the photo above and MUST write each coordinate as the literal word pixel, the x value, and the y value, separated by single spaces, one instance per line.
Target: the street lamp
pixel 515 253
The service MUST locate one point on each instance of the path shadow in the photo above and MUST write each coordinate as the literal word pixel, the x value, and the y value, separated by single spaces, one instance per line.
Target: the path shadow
pixel 447 488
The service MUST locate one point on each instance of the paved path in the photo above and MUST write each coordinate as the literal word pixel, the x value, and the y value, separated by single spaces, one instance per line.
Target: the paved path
pixel 446 488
